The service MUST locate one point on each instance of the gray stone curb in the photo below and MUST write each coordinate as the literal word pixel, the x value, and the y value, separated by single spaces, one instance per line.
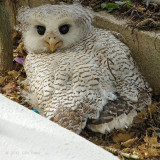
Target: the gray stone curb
pixel 145 46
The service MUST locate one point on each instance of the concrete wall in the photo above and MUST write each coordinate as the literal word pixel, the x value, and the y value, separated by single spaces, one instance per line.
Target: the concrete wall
pixel 145 46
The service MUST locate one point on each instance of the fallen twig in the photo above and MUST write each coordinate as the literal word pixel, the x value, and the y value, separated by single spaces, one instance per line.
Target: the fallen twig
pixel 116 151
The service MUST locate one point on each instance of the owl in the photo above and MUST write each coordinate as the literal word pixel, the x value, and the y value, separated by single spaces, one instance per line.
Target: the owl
pixel 79 75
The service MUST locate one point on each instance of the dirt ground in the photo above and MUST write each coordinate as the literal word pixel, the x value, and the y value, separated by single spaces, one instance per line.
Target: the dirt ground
pixel 142 139
pixel 139 15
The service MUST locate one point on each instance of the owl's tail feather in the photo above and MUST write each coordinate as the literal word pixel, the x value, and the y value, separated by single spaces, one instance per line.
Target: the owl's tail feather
pixel 117 114
pixel 74 119
pixel 144 99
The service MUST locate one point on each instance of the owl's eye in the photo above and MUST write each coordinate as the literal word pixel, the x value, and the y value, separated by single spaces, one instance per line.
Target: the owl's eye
pixel 41 30
pixel 64 28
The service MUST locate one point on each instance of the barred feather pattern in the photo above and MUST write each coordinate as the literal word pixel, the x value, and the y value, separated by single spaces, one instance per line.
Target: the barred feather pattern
pixel 89 73
pixel 92 82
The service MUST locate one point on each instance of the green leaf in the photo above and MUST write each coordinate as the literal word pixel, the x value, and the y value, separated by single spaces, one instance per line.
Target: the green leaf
pixel 120 3
pixel 111 6
pixel 147 2
pixel 103 5
pixel 128 2
pixel 110 9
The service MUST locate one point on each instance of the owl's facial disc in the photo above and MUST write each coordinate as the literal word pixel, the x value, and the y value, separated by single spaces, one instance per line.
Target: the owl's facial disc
pixel 53 42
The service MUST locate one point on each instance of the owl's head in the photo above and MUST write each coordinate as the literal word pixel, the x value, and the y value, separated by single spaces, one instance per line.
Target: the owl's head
pixel 51 27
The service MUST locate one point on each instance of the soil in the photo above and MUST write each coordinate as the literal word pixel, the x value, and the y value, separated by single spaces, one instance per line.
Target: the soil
pixel 142 139
pixel 139 15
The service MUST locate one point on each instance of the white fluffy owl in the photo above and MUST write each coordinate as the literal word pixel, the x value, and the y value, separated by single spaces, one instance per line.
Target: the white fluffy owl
pixel 77 74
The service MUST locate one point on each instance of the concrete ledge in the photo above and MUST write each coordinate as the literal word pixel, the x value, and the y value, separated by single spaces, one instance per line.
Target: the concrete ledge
pixel 145 46
pixel 26 135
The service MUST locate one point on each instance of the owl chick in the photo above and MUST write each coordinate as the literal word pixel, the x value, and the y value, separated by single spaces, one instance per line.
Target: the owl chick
pixel 78 73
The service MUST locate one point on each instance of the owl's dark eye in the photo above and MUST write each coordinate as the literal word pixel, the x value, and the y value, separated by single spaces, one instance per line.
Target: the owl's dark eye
pixel 41 30
pixel 64 28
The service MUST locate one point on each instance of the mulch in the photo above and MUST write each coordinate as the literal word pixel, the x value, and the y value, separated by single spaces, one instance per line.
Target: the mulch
pixel 138 14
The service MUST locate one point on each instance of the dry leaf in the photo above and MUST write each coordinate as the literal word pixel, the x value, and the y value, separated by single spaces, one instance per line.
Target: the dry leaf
pixel 13 73
pixel 145 22
pixel 129 142
pixel 122 137
pixel 20 79
pixel 140 9
pixel 9 88
pixel 2 81
pixel 152 109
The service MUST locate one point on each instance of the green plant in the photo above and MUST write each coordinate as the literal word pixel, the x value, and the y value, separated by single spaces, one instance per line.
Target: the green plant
pixel 111 6
pixel 147 2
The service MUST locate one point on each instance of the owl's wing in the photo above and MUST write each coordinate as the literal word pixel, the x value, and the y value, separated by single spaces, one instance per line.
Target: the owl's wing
pixel 127 90
pixel 79 93
pixel 119 64
pixel 74 120
pixel 116 114
pixel 133 92
pixel 119 114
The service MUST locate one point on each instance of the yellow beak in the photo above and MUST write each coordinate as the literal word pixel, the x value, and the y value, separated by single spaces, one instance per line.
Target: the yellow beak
pixel 54 44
